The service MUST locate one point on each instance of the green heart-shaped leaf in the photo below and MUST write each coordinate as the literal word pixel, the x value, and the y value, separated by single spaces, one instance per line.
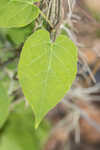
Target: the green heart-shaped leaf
pixel 46 71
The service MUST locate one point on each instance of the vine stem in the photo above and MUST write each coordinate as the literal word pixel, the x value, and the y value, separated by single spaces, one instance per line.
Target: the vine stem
pixel 47 20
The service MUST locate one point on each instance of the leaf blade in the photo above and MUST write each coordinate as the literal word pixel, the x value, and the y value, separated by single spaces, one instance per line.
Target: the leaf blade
pixel 53 72
pixel 17 13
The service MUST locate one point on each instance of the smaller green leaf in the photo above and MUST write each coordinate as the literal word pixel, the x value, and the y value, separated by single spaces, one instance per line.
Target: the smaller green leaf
pixel 17 13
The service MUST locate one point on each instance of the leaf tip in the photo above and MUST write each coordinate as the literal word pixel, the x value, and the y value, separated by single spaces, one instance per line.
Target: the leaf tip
pixel 36 126
pixel 37 121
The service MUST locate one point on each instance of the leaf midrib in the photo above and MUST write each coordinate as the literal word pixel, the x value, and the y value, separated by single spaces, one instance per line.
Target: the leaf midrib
pixel 47 74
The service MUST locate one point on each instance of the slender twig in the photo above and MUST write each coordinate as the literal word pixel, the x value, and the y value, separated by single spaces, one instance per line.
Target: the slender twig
pixel 46 18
